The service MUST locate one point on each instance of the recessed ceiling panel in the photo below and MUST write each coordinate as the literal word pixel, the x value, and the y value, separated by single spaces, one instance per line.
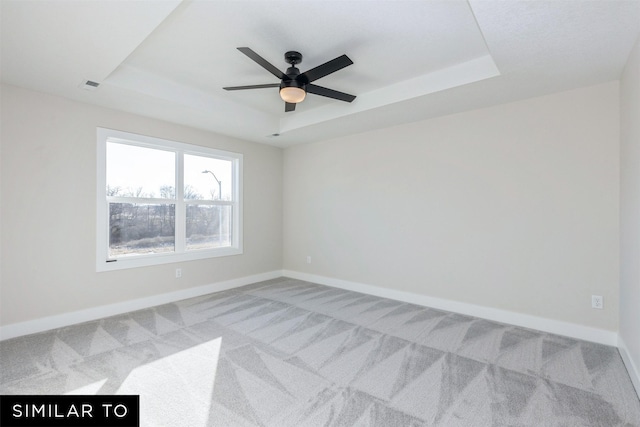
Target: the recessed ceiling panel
pixel 389 42
pixel 413 59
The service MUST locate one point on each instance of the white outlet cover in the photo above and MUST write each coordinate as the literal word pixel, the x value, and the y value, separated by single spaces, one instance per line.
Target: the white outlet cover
pixel 597 301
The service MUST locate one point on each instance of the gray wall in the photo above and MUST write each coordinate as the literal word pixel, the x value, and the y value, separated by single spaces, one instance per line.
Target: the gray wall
pixel 48 177
pixel 513 207
pixel 630 211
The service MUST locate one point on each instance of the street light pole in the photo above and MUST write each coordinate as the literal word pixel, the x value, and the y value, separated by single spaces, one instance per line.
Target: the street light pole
pixel 219 207
pixel 218 181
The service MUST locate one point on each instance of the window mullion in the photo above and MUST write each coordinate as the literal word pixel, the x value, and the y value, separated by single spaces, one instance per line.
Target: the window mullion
pixel 141 200
pixel 181 215
pixel 236 217
pixel 209 202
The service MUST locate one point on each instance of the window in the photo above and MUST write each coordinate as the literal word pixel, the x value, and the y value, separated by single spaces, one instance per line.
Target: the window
pixel 162 201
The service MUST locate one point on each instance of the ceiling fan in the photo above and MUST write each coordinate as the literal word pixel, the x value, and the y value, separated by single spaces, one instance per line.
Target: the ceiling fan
pixel 294 85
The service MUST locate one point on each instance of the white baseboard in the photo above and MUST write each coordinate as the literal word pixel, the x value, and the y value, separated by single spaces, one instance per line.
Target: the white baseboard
pixel 632 368
pixel 558 327
pixel 66 319
pixel 528 321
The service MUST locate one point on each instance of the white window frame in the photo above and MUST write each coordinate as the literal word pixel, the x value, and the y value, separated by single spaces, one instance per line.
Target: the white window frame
pixel 103 263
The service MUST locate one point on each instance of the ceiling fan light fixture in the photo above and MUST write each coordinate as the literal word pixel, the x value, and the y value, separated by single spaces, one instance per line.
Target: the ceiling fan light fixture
pixel 292 94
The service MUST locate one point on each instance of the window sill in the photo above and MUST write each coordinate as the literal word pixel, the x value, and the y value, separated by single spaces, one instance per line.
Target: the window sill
pixel 136 261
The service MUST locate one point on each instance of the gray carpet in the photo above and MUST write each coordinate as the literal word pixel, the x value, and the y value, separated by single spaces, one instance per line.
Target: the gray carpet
pixel 291 353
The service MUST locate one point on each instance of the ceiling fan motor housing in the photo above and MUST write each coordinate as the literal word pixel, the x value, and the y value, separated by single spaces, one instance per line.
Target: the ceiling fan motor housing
pixel 293 83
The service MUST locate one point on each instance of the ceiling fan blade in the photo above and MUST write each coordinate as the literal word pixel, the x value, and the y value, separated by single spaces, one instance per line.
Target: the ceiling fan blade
pixel 262 62
pixel 288 106
pixel 327 68
pixel 330 93
pixel 251 86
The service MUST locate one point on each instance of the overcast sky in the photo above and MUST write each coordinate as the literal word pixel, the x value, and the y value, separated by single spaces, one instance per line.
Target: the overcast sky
pixel 131 167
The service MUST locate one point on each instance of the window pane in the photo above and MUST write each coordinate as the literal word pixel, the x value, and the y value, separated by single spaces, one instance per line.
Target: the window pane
pixel 136 229
pixel 134 171
pixel 205 178
pixel 208 226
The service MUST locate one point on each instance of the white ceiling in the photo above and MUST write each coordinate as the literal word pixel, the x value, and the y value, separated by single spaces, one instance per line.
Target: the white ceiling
pixel 413 60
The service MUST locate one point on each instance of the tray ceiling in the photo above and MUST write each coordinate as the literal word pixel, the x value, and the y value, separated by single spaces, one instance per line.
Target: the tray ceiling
pixel 413 60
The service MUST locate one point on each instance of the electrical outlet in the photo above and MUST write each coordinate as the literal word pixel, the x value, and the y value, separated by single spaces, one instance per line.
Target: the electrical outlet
pixel 308 259
pixel 178 273
pixel 597 302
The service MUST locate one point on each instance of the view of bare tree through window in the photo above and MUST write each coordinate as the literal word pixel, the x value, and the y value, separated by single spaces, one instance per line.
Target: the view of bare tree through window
pixel 137 228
